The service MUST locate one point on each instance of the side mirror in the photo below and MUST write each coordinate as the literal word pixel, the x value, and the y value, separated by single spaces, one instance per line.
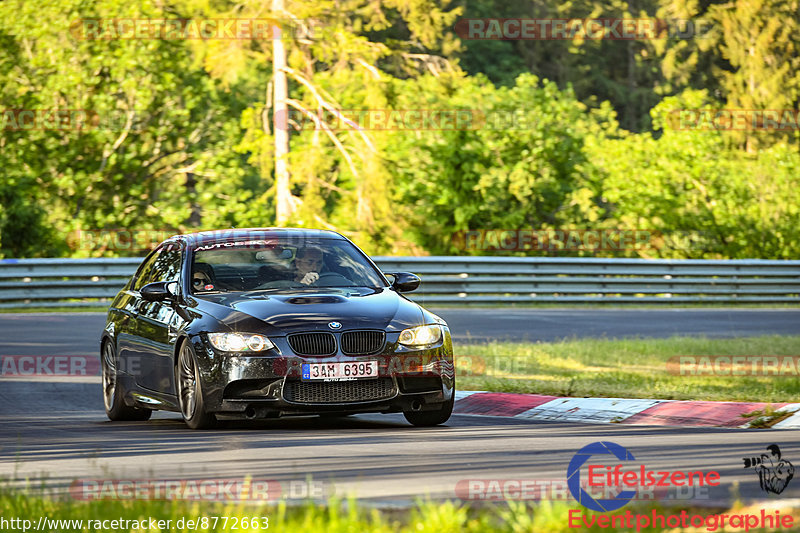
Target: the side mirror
pixel 157 292
pixel 405 281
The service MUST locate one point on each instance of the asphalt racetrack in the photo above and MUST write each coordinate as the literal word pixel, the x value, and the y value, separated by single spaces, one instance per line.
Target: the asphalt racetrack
pixel 79 333
pixel 55 428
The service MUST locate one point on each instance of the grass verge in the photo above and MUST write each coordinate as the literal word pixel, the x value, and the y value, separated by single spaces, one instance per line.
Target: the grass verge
pixel 629 368
pixel 335 516
pixel 60 310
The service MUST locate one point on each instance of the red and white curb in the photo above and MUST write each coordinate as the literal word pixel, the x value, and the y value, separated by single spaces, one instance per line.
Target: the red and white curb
pixel 618 410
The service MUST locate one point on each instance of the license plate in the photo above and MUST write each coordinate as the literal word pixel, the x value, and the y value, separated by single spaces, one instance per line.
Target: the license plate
pixel 339 371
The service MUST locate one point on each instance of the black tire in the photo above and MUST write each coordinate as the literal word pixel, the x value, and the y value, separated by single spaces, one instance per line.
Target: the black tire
pixel 190 392
pixel 113 390
pixel 431 418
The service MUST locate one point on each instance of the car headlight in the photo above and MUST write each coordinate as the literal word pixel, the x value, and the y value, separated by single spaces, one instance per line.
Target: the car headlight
pixel 421 335
pixel 240 342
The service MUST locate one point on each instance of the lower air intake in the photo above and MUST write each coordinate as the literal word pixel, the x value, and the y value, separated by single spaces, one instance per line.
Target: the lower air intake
pixel 339 391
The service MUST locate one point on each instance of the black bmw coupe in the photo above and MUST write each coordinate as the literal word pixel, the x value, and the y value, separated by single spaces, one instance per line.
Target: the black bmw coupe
pixel 263 323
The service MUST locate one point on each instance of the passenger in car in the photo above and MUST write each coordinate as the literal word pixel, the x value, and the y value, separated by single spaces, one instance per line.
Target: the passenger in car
pixel 202 277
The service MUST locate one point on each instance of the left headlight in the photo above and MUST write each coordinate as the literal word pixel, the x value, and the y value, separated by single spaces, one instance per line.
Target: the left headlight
pixel 421 335
pixel 240 342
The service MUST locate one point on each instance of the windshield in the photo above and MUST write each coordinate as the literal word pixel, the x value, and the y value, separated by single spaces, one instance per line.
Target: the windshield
pixel 278 265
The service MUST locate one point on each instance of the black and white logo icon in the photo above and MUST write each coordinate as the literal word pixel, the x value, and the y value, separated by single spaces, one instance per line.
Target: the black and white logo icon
pixel 774 473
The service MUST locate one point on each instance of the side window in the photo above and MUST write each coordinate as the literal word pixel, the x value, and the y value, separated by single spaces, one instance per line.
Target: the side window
pixel 145 271
pixel 164 265
pixel 168 265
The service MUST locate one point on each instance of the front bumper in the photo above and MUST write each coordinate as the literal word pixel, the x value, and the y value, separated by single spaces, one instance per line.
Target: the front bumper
pixel 248 386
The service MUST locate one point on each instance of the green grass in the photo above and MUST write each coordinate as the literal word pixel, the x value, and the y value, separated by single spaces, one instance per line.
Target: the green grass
pixel 633 368
pixel 764 418
pixel 102 309
pixel 334 517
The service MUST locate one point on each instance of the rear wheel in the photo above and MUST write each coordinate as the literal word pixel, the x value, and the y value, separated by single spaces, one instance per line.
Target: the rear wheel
pixel 113 390
pixel 190 393
pixel 431 418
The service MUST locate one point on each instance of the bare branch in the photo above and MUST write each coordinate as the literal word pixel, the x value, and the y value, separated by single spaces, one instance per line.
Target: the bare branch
pixel 121 139
pixel 326 224
pixel 266 108
pixel 327 105
pixel 371 68
pixel 435 64
pixel 323 126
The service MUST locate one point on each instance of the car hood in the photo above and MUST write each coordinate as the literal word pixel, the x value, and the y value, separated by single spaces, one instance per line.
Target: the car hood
pixel 310 310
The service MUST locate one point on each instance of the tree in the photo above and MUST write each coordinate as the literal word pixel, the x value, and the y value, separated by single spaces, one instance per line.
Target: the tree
pixel 521 166
pixel 761 41
pixel 154 134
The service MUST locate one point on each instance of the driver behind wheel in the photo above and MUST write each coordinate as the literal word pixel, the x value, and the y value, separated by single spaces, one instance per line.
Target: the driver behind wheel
pixel 307 264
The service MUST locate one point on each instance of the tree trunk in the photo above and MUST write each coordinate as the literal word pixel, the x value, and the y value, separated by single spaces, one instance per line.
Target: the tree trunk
pixel 283 196
pixel 195 218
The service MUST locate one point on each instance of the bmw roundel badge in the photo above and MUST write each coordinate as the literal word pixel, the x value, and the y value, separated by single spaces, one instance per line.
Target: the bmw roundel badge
pixel 335 325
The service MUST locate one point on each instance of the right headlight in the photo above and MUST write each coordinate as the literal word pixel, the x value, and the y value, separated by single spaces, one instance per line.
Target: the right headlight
pixel 421 335
pixel 240 342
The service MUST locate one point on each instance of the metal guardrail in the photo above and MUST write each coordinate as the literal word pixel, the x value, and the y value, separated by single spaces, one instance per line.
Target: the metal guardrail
pixel 461 280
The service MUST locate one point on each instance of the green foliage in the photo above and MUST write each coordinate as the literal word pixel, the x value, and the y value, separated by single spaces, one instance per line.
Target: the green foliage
pixel 521 166
pixel 759 39
pixel 157 152
pixel 694 182
pixel 624 73
pixel 564 134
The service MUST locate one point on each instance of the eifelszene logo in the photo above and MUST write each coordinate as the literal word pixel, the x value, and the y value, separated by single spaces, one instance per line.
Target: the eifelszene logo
pixel 774 473
pixel 574 477
pixel 604 482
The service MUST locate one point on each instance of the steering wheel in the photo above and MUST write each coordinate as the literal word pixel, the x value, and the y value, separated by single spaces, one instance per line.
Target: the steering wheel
pixel 328 279
pixel 279 284
pixel 332 278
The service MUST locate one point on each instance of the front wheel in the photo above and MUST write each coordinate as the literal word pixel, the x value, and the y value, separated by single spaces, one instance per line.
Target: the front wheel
pixel 190 393
pixel 431 418
pixel 113 391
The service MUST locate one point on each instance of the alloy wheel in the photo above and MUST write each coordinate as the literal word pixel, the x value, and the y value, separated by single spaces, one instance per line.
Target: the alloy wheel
pixel 187 383
pixel 109 376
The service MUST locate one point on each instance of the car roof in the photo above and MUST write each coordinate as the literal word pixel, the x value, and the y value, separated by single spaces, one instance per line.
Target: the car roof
pixel 237 234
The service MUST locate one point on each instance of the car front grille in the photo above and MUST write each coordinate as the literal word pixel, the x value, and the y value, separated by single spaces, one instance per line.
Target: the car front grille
pixel 362 342
pixel 339 391
pixel 313 343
